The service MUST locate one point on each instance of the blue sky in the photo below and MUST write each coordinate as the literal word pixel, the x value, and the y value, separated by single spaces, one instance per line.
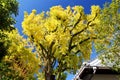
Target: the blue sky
pixel 44 5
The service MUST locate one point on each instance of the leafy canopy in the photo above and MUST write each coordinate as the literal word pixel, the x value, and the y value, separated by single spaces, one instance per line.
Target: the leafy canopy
pixel 62 37
pixel 16 61
pixel 19 62
pixel 7 9
pixel 111 16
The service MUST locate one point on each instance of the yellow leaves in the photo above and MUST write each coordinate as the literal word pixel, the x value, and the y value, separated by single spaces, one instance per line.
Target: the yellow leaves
pixel 91 29
pixel 57 8
pixel 72 61
pixel 68 9
pixel 50 37
pixel 78 9
pixel 51 24
pixel 31 16
pixel 16 42
pixel 70 29
pixel 3 4
pixel 32 25
pixel 95 9
pixel 25 14
pixel 34 11
pixel 86 49
pixel 64 50
pixel 38 36
pixel 75 61
pixel 58 12
pixel 20 54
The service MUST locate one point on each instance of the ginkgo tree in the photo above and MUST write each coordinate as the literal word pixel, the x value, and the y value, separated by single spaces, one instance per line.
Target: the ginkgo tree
pixel 62 38
pixel 19 62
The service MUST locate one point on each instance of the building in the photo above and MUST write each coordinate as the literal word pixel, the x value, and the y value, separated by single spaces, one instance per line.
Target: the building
pixel 96 71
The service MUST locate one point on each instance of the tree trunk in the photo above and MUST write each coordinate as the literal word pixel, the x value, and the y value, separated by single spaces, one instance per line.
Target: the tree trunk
pixel 49 76
pixel 49 71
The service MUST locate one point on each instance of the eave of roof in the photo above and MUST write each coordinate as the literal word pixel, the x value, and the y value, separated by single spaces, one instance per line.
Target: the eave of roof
pixel 99 70
pixel 87 68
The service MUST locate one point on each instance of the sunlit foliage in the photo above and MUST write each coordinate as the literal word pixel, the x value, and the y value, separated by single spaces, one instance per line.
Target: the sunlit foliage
pixel 62 37
pixel 111 16
pixel 19 59
pixel 8 8
pixel 17 62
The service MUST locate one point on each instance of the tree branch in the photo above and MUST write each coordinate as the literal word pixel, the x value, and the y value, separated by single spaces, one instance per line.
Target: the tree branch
pixel 70 43
pixel 43 53
pixel 78 21
pixel 83 41
pixel 50 48
pixel 42 47
pixel 32 39
pixel 55 29
pixel 54 62
pixel 77 51
pixel 65 68
pixel 87 39
pixel 85 27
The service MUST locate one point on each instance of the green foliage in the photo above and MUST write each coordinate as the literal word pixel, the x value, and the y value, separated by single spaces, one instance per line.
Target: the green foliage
pixel 111 16
pixel 22 60
pixel 64 36
pixel 8 73
pixel 17 62
pixel 7 9
pixel 3 46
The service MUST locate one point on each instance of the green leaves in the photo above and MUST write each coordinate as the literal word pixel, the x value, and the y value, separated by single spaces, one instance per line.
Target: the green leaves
pixel 110 16
pixel 7 72
pixel 19 54
pixel 7 9
pixel 17 62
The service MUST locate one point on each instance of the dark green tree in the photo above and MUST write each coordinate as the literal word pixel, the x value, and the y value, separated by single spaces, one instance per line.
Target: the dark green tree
pixel 8 9
pixel 16 61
